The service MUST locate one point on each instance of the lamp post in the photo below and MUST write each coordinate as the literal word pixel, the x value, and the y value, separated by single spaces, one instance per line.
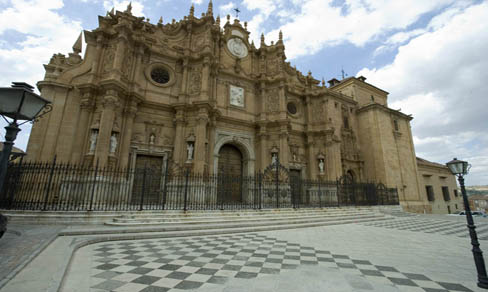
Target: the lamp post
pixel 460 168
pixel 18 102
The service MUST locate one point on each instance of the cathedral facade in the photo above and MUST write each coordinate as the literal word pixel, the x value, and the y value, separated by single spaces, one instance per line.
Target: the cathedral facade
pixel 207 99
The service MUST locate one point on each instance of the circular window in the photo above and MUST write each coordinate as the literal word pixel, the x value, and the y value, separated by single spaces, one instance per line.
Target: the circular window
pixel 292 108
pixel 160 75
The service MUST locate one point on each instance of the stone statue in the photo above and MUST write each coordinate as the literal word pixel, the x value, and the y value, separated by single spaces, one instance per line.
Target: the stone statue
pixel 113 143
pixel 321 165
pixel 151 139
pixel 274 158
pixel 93 140
pixel 190 151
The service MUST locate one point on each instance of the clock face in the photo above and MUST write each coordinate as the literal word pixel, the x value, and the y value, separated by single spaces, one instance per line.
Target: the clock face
pixel 237 47
pixel 236 96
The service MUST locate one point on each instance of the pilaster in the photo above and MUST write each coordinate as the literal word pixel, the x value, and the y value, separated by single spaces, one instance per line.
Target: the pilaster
pixel 110 103
pixel 87 106
pixel 201 137
pixel 130 113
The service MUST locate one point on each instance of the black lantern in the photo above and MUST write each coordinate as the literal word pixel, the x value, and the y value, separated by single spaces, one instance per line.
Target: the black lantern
pixel 460 168
pixel 18 102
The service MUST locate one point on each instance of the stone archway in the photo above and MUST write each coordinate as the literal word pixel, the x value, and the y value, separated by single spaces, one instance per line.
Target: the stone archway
pixel 240 141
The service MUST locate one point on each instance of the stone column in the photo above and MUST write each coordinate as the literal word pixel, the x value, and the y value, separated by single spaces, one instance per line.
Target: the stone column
pixel 130 113
pixel 87 106
pixel 184 79
pixel 312 163
pixel 282 97
pixel 211 144
pixel 201 137
pixel 96 59
pixel 263 147
pixel 179 146
pixel 205 77
pixel 284 148
pixel 333 159
pixel 120 52
pixel 110 103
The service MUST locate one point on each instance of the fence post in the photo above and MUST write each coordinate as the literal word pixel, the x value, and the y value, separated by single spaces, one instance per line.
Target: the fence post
pixel 165 188
pixel 260 189
pixel 93 187
pixel 141 205
pixel 320 192
pixel 337 193
pixel 48 189
pixel 187 174
pixel 277 183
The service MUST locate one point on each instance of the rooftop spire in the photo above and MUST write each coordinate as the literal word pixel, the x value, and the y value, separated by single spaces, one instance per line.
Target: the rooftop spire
pixel 192 10
pixel 77 45
pixel 129 8
pixel 210 8
pixel 160 20
pixel 262 39
pixel 217 21
pixel 281 35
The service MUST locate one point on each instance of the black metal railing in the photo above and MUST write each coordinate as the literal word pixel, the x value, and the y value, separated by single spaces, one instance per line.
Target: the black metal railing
pixel 65 187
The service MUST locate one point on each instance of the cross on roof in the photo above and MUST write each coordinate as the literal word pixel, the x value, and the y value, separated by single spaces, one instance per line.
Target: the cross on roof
pixel 237 12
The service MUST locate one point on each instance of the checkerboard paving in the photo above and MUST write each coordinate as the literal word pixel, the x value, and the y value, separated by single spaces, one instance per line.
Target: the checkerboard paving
pixel 191 263
pixel 431 226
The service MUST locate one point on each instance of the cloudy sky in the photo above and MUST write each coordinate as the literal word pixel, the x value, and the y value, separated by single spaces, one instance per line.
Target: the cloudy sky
pixel 430 55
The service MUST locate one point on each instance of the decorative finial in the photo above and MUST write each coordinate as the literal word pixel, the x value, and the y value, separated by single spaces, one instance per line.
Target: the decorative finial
pixel 245 25
pixel 210 8
pixel 309 73
pixel 323 82
pixel 77 45
pixel 281 35
pixel 228 18
pixel 192 10
pixel 112 11
pixel 217 21
pixel 262 39
pixel 160 20
pixel 173 21
pixel 148 20
pixel 272 42
pixel 129 8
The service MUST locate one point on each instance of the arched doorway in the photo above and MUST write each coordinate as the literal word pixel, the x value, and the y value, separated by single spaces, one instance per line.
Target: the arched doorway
pixel 230 173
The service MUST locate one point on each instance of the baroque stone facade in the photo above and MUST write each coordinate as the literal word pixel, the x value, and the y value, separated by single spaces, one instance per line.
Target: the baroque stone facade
pixel 197 93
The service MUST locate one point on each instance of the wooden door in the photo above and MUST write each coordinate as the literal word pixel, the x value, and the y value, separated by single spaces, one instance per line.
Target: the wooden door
pixel 295 187
pixel 230 173
pixel 147 178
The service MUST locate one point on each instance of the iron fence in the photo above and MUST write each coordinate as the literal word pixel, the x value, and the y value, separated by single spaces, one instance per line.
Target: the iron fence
pixel 66 187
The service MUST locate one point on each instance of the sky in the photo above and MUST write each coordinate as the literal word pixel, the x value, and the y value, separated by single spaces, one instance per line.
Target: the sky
pixel 430 55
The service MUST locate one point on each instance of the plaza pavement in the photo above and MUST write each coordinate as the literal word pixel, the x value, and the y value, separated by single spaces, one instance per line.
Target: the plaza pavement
pixel 407 253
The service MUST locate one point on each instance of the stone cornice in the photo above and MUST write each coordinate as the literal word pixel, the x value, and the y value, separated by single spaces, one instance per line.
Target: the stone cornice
pixel 377 106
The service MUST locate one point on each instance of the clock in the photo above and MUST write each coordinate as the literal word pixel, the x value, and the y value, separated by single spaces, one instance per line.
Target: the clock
pixel 236 96
pixel 237 47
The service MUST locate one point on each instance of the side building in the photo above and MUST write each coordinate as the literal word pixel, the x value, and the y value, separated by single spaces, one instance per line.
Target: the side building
pixel 439 187
pixel 204 97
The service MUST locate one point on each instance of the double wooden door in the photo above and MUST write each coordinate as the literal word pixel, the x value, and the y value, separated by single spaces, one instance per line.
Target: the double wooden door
pixel 230 174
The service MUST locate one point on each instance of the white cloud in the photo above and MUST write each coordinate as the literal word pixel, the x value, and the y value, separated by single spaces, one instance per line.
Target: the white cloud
pixel 46 32
pixel 440 77
pixel 197 1
pixel 137 6
pixel 226 8
pixel 317 23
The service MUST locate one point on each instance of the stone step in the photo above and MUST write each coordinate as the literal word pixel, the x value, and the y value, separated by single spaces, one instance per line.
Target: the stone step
pixel 269 220
pixel 99 217
pixel 193 219
pixel 217 228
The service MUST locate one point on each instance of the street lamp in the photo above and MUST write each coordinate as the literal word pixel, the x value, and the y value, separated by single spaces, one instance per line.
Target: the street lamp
pixel 18 102
pixel 460 168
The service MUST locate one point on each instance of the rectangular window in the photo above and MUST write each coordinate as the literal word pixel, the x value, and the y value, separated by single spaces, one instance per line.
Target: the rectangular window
pixel 445 193
pixel 430 193
pixel 395 122
pixel 346 122
pixel 455 193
